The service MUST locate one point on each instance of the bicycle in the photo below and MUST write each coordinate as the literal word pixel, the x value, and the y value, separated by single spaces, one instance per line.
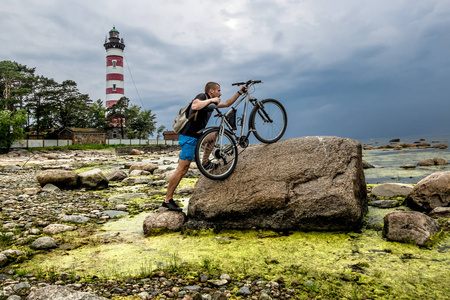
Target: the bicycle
pixel 216 152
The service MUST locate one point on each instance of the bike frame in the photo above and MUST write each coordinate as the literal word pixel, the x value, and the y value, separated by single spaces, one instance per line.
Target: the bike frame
pixel 248 99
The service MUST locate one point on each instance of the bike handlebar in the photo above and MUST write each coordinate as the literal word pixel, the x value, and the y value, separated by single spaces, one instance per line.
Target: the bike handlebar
pixel 247 83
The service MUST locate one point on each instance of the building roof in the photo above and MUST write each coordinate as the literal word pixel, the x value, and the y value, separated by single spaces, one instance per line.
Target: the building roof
pixel 83 130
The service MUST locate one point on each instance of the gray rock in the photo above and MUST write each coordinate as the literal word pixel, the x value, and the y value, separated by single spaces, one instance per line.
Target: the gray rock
pixel 163 221
pixel 137 180
pixel 218 282
pixel 193 288
pixel 244 291
pixel 116 175
pixel 367 165
pixel 311 183
pixel 11 253
pixel 93 179
pixel 432 162
pixel 44 243
pixel 75 219
pixel 56 292
pixel 14 297
pixel 58 228
pixel 127 197
pixel 431 192
pixel 157 183
pixel 144 166
pixel 3 259
pixel 21 286
pixel 408 166
pixel 12 168
pixel 384 203
pixel 406 226
pixel 61 178
pixel 112 214
pixel 50 188
pixel 139 173
pixel 391 190
pixel 440 213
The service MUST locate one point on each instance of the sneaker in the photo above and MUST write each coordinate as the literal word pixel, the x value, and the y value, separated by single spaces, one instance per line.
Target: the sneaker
pixel 171 205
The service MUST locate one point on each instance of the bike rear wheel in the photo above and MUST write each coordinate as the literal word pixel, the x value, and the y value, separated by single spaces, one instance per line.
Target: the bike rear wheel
pixel 216 155
pixel 269 122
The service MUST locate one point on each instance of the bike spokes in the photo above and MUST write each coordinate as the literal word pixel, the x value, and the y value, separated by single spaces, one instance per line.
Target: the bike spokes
pixel 216 155
pixel 269 121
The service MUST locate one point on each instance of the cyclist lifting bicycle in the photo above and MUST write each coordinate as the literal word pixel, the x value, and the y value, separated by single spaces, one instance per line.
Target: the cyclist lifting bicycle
pixel 193 130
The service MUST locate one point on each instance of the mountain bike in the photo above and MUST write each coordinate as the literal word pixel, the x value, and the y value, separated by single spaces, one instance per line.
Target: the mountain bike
pixel 216 153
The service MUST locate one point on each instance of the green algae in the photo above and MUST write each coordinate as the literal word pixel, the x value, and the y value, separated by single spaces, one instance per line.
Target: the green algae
pixel 336 264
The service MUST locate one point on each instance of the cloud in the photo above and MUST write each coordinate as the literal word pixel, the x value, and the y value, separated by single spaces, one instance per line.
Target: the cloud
pixel 348 68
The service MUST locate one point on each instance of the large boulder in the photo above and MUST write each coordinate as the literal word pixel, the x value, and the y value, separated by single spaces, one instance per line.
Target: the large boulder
pixel 57 292
pixel 93 179
pixel 431 192
pixel 407 226
pixel 60 178
pixel 310 183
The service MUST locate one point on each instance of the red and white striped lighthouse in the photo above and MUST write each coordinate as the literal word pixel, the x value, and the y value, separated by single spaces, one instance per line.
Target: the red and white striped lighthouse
pixel 114 67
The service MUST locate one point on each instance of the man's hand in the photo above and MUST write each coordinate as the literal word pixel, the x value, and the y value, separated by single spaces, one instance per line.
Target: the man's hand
pixel 243 89
pixel 215 100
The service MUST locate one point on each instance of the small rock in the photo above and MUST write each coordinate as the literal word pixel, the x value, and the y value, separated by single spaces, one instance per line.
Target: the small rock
pixel 50 188
pixel 440 213
pixel 391 190
pixel 21 286
pixel 244 291
pixel 403 226
pixel 75 219
pixel 3 259
pixel 384 203
pixel 58 228
pixel 44 243
pixel 115 213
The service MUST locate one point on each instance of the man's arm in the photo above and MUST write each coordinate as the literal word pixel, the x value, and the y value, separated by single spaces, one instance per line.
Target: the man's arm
pixel 198 104
pixel 233 98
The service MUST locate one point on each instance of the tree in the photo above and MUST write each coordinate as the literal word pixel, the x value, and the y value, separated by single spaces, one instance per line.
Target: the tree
pixel 116 113
pixel 40 104
pixel 70 105
pixel 96 115
pixel 15 81
pixel 11 128
pixel 160 131
pixel 14 84
pixel 143 125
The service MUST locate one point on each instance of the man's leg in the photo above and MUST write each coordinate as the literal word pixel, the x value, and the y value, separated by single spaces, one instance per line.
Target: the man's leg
pixel 182 168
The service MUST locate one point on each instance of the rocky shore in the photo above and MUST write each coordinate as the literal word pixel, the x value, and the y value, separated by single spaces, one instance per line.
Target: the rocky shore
pixel 31 215
pixel 33 218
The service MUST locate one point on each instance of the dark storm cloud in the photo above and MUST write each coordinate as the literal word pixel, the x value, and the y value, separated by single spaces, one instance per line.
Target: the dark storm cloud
pixel 348 68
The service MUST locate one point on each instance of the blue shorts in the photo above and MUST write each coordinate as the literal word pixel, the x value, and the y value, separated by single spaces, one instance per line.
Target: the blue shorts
pixel 187 144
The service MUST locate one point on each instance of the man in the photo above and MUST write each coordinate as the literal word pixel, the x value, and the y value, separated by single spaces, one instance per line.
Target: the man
pixel 189 136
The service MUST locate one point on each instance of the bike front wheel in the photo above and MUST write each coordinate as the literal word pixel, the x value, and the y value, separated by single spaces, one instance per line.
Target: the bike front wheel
pixel 216 155
pixel 268 121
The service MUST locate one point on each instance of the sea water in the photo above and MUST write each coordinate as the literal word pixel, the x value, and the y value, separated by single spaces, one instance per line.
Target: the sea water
pixel 388 161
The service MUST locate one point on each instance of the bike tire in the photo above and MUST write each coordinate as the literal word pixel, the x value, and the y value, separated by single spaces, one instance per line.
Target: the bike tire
pixel 268 123
pixel 211 161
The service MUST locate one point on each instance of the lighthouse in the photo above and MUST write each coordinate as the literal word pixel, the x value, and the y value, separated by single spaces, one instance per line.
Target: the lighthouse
pixel 114 47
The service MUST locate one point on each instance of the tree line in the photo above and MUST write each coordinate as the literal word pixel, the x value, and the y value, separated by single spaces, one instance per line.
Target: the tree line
pixel 31 103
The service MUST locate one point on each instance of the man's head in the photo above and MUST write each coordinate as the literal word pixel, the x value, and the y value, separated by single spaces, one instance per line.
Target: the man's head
pixel 213 89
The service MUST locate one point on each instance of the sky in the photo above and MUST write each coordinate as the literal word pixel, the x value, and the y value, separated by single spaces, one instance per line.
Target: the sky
pixel 348 68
